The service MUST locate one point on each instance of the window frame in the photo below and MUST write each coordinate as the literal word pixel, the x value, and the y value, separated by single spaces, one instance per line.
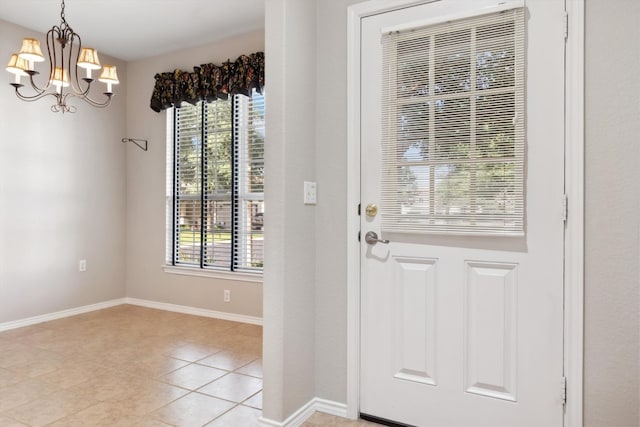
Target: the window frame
pixel 241 228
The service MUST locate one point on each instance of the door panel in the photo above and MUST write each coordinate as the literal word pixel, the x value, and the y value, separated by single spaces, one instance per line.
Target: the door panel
pixel 415 285
pixel 490 333
pixel 463 329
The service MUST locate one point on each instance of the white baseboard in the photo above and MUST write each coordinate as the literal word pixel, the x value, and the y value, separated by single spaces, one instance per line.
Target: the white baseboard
pixel 59 314
pixel 195 311
pixel 134 301
pixel 304 413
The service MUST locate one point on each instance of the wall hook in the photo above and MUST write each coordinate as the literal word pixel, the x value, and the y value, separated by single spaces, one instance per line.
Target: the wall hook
pixel 138 142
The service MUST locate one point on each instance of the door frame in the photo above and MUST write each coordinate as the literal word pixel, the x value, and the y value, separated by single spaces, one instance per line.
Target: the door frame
pixel 574 189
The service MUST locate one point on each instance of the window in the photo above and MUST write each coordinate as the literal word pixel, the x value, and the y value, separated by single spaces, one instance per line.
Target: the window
pixel 453 127
pixel 215 188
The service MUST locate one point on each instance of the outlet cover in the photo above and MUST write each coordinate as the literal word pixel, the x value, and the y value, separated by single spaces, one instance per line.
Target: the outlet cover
pixel 310 193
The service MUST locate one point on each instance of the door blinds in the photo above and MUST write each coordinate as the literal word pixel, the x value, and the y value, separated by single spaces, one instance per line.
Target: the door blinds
pixel 453 131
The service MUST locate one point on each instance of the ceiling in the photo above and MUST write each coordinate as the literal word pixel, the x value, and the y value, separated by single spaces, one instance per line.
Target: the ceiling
pixel 134 29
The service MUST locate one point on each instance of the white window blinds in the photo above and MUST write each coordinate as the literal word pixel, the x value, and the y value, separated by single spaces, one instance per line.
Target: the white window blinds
pixel 215 194
pixel 249 184
pixel 453 131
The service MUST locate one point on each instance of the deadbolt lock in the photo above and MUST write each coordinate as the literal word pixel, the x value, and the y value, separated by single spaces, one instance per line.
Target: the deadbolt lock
pixel 371 210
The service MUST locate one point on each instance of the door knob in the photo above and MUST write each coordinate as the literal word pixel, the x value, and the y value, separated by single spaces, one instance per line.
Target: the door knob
pixel 372 238
pixel 371 210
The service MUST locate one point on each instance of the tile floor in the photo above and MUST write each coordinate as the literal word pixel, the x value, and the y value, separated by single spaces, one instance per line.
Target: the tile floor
pixel 324 420
pixel 131 366
pixel 135 366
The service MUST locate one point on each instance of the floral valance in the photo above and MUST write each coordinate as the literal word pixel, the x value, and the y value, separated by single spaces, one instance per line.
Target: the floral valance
pixel 209 82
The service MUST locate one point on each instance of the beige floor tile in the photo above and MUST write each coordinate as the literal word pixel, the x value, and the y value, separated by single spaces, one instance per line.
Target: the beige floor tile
pixel 40 337
pixel 153 366
pixel 8 378
pixel 193 376
pixel 195 409
pixel 325 420
pixel 254 369
pixel 8 422
pixel 233 387
pixel 129 366
pixel 254 401
pixel 147 422
pixel 14 353
pixel 254 331
pixel 50 408
pixel 20 332
pixel 66 345
pixel 241 344
pixel 73 374
pixel 228 360
pixel 24 392
pixel 104 414
pixel 192 352
pixel 40 363
pixel 238 416
pixel 105 387
pixel 145 397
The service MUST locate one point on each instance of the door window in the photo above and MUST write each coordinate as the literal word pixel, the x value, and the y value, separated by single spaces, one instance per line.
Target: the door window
pixel 453 127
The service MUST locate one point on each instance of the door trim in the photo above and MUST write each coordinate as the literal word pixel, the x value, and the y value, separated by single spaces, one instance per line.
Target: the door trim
pixel 574 237
pixel 574 183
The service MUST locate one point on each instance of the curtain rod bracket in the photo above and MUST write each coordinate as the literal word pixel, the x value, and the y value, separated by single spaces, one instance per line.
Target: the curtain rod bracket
pixel 138 142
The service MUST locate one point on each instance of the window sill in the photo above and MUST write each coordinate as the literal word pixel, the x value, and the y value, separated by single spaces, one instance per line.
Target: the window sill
pixel 215 274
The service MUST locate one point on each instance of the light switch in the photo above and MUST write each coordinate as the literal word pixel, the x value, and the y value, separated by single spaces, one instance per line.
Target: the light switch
pixel 310 193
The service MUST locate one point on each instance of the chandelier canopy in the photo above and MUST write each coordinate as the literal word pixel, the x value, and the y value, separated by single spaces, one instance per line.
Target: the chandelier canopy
pixel 66 54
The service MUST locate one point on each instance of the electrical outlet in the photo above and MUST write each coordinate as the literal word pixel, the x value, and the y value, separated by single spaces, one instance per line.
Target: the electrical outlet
pixel 310 193
pixel 82 265
pixel 227 295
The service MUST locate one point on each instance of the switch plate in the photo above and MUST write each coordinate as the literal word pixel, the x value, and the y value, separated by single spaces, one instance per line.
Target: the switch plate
pixel 227 295
pixel 82 265
pixel 310 193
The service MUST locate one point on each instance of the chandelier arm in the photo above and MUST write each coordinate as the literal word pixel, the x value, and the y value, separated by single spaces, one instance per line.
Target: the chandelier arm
pixel 75 80
pixel 33 83
pixel 41 94
pixel 95 103
pixel 51 50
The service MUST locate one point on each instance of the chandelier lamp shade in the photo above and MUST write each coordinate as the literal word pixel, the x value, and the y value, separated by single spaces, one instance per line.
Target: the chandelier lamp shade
pixel 65 81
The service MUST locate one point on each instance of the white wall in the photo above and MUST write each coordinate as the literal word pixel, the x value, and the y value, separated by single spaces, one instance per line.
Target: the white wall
pixel 290 232
pixel 331 226
pixel 612 215
pixel 62 186
pixel 146 189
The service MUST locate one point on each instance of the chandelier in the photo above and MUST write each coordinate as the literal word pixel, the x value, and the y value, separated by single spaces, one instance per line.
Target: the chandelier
pixel 66 54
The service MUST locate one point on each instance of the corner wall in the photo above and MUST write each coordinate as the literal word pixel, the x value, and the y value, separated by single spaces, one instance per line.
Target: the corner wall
pixel 290 251
pixel 62 192
pixel 146 190
pixel 331 226
pixel 612 214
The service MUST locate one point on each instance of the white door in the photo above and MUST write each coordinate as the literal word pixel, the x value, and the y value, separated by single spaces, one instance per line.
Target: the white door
pixel 462 152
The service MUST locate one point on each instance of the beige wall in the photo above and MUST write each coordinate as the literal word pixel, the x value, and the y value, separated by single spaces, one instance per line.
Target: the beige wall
pixel 612 213
pixel 146 190
pixel 62 186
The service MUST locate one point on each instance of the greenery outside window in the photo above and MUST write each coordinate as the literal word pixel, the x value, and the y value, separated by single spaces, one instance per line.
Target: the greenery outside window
pixel 215 184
